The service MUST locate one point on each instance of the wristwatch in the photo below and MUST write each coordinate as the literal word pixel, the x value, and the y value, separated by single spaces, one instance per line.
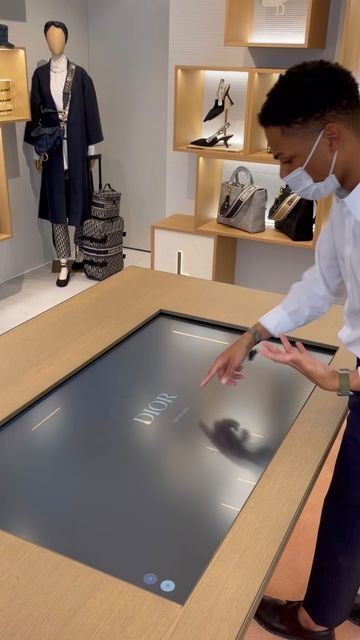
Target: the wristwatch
pixel 255 334
pixel 344 384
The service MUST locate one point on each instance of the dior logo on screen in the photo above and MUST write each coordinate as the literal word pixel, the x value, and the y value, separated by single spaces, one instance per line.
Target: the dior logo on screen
pixel 162 402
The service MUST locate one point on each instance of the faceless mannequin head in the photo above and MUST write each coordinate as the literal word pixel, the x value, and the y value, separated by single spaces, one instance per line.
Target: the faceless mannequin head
pixel 56 34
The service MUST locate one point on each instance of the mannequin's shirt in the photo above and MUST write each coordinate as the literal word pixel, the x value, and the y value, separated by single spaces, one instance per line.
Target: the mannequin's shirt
pixel 58 73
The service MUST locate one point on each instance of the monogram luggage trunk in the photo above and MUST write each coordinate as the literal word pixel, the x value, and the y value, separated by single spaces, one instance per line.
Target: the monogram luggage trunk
pixel 103 233
pixel 102 245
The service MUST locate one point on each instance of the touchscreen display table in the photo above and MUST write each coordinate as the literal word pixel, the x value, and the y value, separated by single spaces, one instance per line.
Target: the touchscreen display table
pixel 133 469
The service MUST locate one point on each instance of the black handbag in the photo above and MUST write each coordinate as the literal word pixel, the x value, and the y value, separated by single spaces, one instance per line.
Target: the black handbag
pixel 48 139
pixel 293 216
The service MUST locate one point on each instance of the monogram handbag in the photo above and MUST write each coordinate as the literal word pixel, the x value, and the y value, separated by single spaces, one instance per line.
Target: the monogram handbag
pixel 241 205
pixel 105 203
pixel 293 216
pixel 49 138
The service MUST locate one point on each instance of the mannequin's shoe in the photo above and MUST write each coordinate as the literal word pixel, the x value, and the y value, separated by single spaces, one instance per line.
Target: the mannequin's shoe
pixel 222 96
pixel 214 139
pixel 64 277
pixel 281 619
pixel 354 616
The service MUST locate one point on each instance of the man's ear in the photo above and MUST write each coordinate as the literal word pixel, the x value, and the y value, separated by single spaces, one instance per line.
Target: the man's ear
pixel 333 135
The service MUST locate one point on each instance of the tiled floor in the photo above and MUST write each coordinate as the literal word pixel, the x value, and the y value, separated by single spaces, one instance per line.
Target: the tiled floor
pixel 26 296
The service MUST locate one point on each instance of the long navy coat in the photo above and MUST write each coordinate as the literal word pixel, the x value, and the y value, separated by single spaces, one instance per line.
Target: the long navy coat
pixel 83 129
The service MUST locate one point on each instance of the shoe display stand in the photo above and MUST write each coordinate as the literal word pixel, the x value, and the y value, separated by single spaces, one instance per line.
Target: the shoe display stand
pixel 13 68
pixel 276 23
pixel 197 245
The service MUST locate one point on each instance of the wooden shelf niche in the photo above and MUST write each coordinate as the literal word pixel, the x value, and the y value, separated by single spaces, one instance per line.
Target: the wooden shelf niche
pixel 13 68
pixel 195 91
pixel 277 23
pixel 349 54
pixel 5 217
pixel 14 91
pixel 210 175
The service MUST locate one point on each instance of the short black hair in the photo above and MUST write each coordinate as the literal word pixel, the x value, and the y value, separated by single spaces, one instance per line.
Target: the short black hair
pixel 58 25
pixel 311 94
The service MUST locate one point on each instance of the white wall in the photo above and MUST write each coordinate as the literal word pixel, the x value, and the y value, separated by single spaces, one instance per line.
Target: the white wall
pixel 129 41
pixel 31 244
pixel 196 38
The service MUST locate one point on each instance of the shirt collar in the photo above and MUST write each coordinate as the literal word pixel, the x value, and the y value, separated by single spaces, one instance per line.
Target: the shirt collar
pixel 60 64
pixel 351 200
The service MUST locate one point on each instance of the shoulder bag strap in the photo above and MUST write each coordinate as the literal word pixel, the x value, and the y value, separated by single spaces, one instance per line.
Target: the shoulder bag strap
pixel 285 208
pixel 67 90
pixel 246 193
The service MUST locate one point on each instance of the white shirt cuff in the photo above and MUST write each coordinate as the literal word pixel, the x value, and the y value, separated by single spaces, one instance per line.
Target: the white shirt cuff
pixel 277 321
pixel 91 150
pixel 35 155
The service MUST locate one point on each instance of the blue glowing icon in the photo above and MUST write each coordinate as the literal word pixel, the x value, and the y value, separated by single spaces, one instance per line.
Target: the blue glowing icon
pixel 168 586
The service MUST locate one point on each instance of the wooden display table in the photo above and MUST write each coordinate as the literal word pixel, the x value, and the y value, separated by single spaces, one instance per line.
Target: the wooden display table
pixel 46 596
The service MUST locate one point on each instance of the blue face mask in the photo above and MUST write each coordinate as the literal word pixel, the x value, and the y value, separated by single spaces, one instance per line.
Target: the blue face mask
pixel 304 186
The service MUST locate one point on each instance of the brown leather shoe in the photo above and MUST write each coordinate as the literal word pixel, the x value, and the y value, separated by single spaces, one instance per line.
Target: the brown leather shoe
pixel 281 619
pixel 354 616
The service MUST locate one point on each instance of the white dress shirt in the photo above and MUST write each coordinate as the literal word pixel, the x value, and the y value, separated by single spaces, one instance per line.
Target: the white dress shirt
pixel 58 73
pixel 335 276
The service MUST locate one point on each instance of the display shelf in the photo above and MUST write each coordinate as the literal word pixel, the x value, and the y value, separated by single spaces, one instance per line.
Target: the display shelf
pixel 195 92
pixel 270 235
pixel 177 247
pixel 261 81
pixel 209 176
pixel 13 68
pixel 176 222
pixel 263 23
pixel 5 218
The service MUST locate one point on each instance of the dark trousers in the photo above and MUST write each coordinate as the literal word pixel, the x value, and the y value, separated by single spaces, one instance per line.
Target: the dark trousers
pixel 335 575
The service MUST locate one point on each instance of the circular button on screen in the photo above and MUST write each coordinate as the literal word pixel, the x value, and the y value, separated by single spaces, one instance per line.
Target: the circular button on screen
pixel 168 586
pixel 150 578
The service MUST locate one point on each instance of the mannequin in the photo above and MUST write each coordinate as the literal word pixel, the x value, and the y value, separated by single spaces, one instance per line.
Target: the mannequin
pixel 65 197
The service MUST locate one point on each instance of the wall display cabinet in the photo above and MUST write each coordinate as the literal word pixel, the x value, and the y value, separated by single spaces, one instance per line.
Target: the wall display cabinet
pixel 277 23
pixel 15 94
pixel 197 245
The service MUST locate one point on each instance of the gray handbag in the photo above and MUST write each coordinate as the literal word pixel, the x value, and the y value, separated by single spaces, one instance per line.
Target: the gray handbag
pixel 242 206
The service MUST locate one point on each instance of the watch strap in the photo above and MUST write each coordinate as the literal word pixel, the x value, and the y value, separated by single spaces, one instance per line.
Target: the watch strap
pixel 255 334
pixel 344 383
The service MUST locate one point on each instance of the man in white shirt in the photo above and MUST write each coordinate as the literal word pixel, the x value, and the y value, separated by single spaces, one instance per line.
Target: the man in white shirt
pixel 312 121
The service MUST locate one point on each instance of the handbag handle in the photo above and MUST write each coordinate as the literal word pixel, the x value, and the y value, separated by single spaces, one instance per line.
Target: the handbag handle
pixel 108 187
pixel 234 179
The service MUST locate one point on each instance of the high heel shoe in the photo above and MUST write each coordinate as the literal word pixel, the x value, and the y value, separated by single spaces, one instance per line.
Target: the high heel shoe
pixel 214 139
pixel 222 94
